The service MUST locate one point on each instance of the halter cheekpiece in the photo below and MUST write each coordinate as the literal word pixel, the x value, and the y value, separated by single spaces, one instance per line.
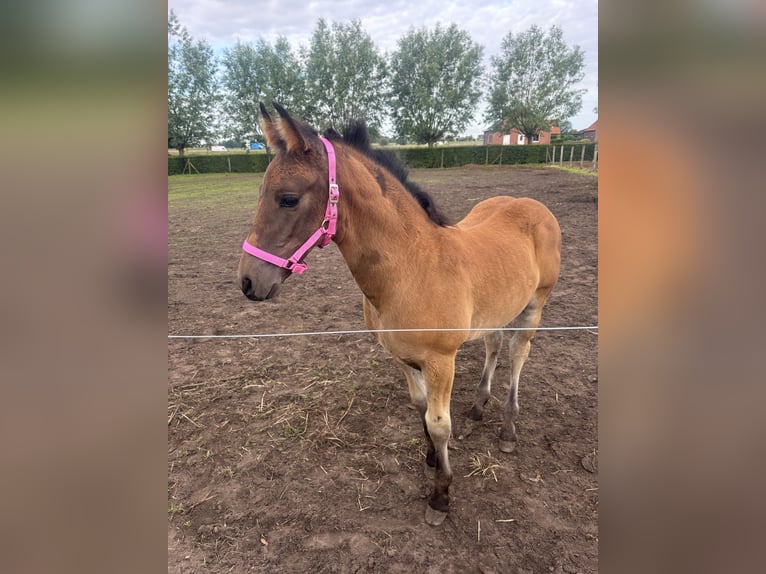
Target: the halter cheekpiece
pixel 320 237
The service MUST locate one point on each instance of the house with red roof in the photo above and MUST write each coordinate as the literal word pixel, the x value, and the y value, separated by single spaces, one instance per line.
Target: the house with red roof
pixel 515 137
pixel 591 132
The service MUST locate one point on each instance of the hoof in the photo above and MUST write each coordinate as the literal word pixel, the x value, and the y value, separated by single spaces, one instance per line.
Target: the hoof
pixel 468 429
pixel 434 517
pixel 476 414
pixel 507 445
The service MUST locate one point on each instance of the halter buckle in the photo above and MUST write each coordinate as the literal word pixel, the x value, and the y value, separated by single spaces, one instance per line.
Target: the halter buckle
pixel 296 267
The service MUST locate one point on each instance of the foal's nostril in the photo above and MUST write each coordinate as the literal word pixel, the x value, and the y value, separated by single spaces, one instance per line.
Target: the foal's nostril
pixel 247 286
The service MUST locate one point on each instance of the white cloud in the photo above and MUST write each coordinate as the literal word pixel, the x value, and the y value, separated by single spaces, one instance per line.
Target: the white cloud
pixel 223 22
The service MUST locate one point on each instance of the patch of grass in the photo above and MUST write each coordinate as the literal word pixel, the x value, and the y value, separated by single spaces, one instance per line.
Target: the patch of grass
pixel 227 188
pixel 577 170
pixel 289 431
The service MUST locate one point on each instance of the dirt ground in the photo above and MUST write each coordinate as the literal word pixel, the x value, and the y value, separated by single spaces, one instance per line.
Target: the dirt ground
pixel 302 454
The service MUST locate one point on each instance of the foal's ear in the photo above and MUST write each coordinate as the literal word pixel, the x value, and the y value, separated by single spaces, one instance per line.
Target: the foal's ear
pixel 269 128
pixel 290 132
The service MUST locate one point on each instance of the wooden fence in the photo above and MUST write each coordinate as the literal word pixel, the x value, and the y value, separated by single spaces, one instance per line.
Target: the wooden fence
pixel 567 154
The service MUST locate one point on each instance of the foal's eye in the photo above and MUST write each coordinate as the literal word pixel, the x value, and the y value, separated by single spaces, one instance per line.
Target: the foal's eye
pixel 288 201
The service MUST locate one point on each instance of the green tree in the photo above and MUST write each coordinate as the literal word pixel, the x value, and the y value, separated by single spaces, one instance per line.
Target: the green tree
pixel 240 86
pixel 434 83
pixel 175 28
pixel 533 81
pixel 283 73
pixel 191 88
pixel 345 76
pixel 567 133
pixel 259 73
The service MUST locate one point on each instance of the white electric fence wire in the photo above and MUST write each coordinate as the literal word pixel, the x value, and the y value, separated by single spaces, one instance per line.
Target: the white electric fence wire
pixel 590 329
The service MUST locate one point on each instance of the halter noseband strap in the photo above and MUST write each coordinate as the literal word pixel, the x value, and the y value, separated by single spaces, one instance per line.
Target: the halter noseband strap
pixel 321 236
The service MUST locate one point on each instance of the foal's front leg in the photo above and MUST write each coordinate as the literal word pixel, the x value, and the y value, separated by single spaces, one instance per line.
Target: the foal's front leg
pixel 430 390
pixel 439 373
pixel 417 387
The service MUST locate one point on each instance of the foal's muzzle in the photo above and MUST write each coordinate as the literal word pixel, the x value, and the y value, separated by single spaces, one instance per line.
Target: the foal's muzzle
pixel 259 292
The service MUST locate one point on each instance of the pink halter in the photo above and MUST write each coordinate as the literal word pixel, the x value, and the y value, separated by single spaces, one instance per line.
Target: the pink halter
pixel 321 236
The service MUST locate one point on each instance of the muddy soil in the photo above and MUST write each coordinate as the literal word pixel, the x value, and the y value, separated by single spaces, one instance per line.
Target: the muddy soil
pixel 303 454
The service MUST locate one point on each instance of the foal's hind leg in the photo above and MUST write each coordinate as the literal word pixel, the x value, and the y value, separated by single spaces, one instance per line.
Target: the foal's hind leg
pixel 520 344
pixel 492 344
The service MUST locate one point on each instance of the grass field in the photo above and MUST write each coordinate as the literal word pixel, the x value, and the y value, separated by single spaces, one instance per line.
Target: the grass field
pixel 241 189
pixel 222 189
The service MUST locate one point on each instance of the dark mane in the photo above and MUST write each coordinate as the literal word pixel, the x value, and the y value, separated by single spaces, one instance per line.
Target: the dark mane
pixel 356 135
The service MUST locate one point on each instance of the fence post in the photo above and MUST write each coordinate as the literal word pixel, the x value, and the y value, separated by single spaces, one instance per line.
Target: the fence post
pixel 561 155
pixel 486 156
pixel 571 154
pixel 189 166
pixel 228 158
pixel 595 156
pixel 442 159
pixel 582 156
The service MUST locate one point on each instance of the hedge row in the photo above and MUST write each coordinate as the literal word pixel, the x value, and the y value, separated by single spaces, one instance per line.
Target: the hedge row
pixel 240 163
pixel 413 157
pixel 482 155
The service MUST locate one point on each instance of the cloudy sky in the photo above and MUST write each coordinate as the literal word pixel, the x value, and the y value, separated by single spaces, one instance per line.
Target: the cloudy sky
pixel 223 22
